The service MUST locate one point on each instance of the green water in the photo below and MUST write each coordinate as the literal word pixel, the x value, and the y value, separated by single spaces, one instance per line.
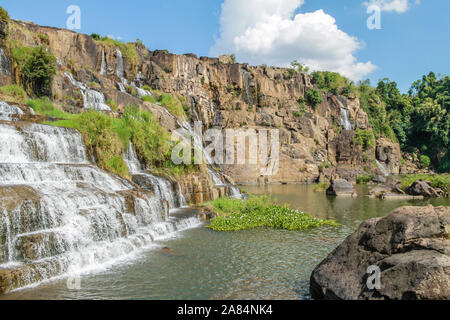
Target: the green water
pixel 255 264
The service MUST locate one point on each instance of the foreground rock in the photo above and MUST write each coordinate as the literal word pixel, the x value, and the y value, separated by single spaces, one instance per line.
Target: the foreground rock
pixel 411 247
pixel 341 188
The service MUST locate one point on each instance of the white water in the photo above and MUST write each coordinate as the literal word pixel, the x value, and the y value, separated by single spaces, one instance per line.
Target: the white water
pixel 103 66
pixel 163 188
pixel 7 112
pixel 345 119
pixel 5 64
pixel 382 168
pixel 119 64
pixel 62 215
pixel 91 99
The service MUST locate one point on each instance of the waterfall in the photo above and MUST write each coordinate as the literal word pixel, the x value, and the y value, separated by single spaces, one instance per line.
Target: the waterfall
pixel 382 168
pixel 103 66
pixel 163 188
pixel 95 100
pixel 7 112
pixel 119 64
pixel 62 215
pixel 91 99
pixel 345 119
pixel 5 64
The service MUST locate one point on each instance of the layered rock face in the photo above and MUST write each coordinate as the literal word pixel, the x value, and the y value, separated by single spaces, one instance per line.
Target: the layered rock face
pixel 224 95
pixel 411 249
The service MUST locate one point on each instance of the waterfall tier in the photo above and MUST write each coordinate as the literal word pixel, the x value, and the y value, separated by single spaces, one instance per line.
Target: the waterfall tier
pixel 60 214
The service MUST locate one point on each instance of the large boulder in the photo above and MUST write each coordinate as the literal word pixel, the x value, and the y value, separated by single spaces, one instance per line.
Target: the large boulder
pixel 411 248
pixel 341 187
pixel 424 188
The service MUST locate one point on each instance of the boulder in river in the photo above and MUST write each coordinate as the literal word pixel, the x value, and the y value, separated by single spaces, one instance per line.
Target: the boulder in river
pixel 341 187
pixel 424 188
pixel 405 255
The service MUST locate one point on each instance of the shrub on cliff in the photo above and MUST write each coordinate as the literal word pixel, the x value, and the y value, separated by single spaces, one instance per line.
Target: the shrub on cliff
pixel 364 138
pixel 314 97
pixel 333 82
pixel 128 50
pixel 36 67
pixel 4 15
pixel 425 161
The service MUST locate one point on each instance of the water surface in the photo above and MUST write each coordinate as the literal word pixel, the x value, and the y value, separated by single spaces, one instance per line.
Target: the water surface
pixel 254 264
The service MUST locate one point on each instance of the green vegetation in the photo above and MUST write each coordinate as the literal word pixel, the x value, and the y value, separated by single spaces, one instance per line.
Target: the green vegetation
pixel 233 57
pixel 113 105
pixel 36 67
pixel 46 108
pixel 364 138
pixel 107 138
pixel 290 73
pixel 258 212
pixel 300 67
pixel 332 82
pixel 4 15
pixel 14 93
pixel 437 181
pixel 364 179
pixel 44 38
pixel 172 104
pixel 314 97
pixel 425 161
pixel 321 187
pixel 418 120
pixel 150 99
pixel 128 50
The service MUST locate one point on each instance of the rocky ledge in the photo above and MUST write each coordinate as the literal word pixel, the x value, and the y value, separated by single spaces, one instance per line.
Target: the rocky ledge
pixel 417 190
pixel 411 248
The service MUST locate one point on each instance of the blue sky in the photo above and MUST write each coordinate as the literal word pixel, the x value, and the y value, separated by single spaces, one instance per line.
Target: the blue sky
pixel 411 42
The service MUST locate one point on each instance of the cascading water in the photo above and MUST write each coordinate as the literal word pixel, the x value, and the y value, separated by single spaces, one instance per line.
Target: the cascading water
pixel 7 112
pixel 120 72
pixel 345 119
pixel 5 64
pixel 91 99
pixel 103 66
pixel 119 64
pixel 163 188
pixel 382 168
pixel 198 144
pixel 60 215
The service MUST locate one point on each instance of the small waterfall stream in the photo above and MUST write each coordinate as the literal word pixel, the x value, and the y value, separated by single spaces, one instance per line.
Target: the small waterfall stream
pixel 345 119
pixel 62 215
pixel 382 168
pixel 5 64
pixel 92 99
pixel 103 67
pixel 7 112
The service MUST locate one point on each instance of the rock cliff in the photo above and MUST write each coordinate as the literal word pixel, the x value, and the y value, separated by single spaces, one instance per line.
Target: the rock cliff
pixel 314 142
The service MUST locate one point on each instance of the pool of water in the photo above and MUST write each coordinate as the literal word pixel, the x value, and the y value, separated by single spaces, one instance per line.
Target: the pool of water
pixel 254 264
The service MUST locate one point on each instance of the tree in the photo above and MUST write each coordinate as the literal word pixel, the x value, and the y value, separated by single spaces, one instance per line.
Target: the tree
pixel 38 71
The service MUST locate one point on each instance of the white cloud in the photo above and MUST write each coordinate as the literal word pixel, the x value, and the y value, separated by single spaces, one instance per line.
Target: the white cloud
pixel 269 32
pixel 399 6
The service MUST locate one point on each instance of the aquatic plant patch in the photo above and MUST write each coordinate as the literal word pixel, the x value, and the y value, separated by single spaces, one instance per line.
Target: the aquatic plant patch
pixel 258 212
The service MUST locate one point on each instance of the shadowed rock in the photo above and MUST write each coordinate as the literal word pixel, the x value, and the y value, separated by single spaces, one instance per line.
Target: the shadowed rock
pixel 411 247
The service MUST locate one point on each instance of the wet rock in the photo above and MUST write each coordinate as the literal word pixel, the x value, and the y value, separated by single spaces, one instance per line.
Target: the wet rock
pixel 340 188
pixel 169 251
pixel 411 249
